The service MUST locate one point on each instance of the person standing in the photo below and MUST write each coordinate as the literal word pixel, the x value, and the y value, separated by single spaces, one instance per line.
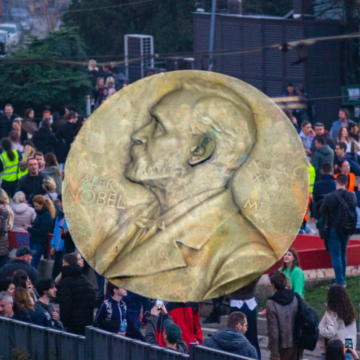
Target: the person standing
pixel 23 165
pixel 323 154
pixel 76 297
pixel 52 169
pixel 232 339
pixel 344 168
pixel 244 300
pixel 31 184
pixel 281 311
pixel 306 134
pixel 340 209
pixel 23 213
pixel 343 136
pixel 112 314
pixel 43 139
pixel 4 240
pixel 9 167
pixel 343 121
pixel 292 270
pixel 320 132
pixel 341 155
pixel 7 120
pixel 339 320
pixel 39 231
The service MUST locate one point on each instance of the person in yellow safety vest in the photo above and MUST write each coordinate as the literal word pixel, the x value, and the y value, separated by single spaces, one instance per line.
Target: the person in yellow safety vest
pixel 9 167
pixel 312 178
pixel 29 152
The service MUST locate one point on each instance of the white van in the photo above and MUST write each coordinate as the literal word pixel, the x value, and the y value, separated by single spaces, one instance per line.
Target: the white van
pixel 13 32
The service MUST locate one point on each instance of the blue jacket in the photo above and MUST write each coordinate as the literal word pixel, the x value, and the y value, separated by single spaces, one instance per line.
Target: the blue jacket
pixel 110 315
pixel 38 317
pixel 57 242
pixel 232 341
pixel 322 187
pixel 41 228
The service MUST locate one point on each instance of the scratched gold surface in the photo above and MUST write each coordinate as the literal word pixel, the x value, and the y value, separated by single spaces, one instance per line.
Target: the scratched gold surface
pixel 185 186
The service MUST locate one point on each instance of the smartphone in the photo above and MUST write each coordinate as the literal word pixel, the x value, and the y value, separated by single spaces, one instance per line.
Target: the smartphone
pixel 159 304
pixel 348 343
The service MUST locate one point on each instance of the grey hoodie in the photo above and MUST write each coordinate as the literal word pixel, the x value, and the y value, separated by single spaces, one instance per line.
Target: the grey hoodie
pixel 52 171
pixel 232 341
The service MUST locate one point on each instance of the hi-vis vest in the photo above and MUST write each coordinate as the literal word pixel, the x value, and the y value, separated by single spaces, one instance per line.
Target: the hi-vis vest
pixel 351 186
pixel 11 168
pixel 22 173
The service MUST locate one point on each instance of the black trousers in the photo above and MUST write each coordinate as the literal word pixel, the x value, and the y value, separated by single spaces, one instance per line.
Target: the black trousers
pixel 251 333
pixel 57 264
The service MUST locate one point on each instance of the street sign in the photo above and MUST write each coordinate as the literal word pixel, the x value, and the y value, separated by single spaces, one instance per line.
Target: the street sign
pixel 351 94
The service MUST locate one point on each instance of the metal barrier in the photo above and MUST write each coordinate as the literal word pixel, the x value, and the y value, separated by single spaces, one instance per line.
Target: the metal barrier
pixel 198 352
pixel 49 344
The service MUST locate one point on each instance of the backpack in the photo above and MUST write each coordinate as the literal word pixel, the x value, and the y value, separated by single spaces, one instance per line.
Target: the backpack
pixel 306 326
pixel 346 218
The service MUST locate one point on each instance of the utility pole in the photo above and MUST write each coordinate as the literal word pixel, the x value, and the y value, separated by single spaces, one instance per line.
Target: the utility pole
pixel 212 31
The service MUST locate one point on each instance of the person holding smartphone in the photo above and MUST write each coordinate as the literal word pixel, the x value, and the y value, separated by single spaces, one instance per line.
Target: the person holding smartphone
pixel 338 321
pixel 336 350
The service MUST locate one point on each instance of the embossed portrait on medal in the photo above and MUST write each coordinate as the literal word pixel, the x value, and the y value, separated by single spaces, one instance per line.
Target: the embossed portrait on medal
pixel 185 186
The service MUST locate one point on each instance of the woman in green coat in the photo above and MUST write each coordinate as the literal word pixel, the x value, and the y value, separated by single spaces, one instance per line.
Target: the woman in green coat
pixel 293 271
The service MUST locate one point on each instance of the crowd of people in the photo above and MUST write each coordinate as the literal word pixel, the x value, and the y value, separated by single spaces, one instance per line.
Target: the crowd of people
pixel 32 165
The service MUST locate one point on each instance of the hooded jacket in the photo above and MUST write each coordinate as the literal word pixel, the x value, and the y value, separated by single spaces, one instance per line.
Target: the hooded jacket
pixel 24 214
pixel 41 228
pixel 76 298
pixel 53 172
pixel 322 155
pixel 232 341
pixel 281 310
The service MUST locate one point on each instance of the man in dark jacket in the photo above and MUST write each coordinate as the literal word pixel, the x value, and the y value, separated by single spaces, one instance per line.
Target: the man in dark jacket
pixel 322 187
pixel 31 184
pixel 323 154
pixel 341 155
pixel 338 236
pixel 112 312
pixel 281 311
pixel 44 139
pixel 76 297
pixel 320 132
pixel 172 333
pixel 232 339
pixel 22 261
pixel 6 120
pixel 10 309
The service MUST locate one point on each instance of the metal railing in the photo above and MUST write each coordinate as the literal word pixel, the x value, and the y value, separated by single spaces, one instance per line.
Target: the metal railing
pixel 47 344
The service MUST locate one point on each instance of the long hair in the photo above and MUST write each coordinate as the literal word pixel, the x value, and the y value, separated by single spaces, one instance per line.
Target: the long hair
pixel 4 197
pixel 340 135
pixel 22 297
pixel 335 350
pixel 97 83
pixel 6 145
pixel 27 113
pixel 20 277
pixel 14 136
pixel 296 261
pixel 29 152
pixel 47 203
pixel 338 302
pixel 51 160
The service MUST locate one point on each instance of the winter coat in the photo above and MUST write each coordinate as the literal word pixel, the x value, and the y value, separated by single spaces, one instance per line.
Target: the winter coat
pixel 76 298
pixel 232 341
pixel 20 314
pixel 17 264
pixel 44 140
pixel 187 317
pixel 52 171
pixel 332 327
pixel 23 214
pixel 150 334
pixel 31 186
pixel 330 205
pixel 41 228
pixel 281 310
pixel 322 155
pixel 4 240
pixel 322 187
pixel 110 315
pixel 38 317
